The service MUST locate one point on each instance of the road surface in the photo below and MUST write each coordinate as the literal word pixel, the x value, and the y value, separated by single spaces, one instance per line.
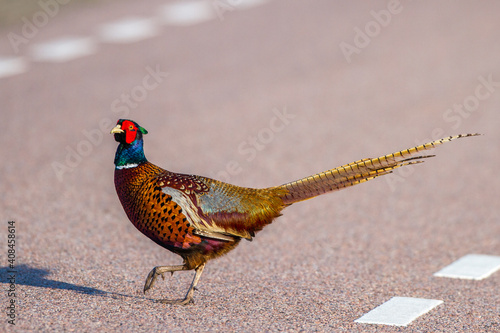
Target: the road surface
pixel 257 93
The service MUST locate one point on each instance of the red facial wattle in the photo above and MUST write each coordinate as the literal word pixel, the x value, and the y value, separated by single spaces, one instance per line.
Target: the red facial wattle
pixel 130 131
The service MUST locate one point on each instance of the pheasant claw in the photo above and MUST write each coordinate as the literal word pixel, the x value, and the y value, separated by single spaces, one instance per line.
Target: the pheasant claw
pixel 160 270
pixel 189 296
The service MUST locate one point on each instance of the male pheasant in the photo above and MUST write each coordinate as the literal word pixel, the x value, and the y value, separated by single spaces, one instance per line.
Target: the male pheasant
pixel 200 218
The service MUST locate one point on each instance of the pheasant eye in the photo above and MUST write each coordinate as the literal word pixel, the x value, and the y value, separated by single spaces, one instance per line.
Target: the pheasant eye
pixel 131 127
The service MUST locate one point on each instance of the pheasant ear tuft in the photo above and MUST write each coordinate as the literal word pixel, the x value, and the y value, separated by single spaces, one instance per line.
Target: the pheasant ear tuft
pixel 143 130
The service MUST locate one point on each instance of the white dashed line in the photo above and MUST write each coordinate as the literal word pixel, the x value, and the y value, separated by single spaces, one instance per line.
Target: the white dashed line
pixel 129 30
pixel 399 311
pixel 472 267
pixel 187 12
pixel 12 66
pixel 244 4
pixel 63 49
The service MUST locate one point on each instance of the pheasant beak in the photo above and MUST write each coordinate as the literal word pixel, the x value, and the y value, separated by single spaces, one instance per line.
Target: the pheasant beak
pixel 117 129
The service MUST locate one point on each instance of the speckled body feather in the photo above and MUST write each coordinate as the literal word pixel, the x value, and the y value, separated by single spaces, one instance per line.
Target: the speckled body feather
pixel 196 217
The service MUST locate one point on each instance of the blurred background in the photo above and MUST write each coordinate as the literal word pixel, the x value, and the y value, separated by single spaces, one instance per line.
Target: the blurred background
pixel 256 93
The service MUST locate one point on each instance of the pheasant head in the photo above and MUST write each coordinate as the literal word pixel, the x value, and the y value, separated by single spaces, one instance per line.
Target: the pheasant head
pixel 130 152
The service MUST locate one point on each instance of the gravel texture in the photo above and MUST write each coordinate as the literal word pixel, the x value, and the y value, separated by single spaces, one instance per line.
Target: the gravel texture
pixel 81 264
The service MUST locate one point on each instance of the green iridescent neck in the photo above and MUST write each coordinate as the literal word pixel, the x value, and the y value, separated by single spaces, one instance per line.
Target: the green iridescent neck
pixel 130 155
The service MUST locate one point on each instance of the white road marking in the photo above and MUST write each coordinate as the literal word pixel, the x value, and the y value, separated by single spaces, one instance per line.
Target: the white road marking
pixel 244 4
pixel 12 66
pixel 128 30
pixel 399 311
pixel 181 13
pixel 472 267
pixel 186 13
pixel 64 49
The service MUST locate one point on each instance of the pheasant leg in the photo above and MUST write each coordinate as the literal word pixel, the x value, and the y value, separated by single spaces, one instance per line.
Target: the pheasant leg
pixel 189 296
pixel 160 270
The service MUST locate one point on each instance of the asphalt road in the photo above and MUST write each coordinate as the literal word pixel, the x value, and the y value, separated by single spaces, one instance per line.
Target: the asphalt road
pixel 257 96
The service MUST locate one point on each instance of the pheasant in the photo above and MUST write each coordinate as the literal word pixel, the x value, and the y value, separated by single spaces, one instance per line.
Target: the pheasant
pixel 200 218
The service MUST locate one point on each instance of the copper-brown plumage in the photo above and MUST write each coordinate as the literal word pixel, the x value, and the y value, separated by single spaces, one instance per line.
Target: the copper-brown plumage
pixel 200 218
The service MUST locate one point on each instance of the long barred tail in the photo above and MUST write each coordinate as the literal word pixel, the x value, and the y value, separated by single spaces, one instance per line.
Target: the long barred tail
pixel 357 172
